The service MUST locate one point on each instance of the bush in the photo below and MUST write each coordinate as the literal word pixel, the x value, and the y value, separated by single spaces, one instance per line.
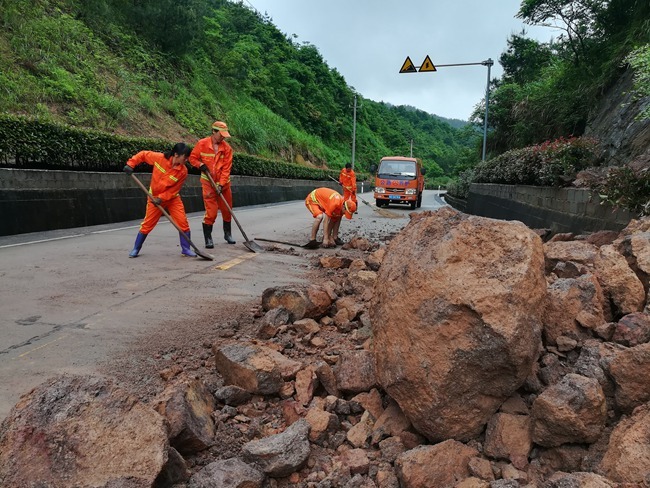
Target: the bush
pixel 627 189
pixel 35 144
pixel 552 163
pixel 459 188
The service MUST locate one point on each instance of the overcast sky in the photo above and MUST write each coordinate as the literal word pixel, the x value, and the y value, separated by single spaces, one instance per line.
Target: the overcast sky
pixel 367 41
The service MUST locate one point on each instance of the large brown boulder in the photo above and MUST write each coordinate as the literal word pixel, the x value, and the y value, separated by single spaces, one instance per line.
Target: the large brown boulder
pixel 571 411
pixel 620 284
pixel 627 459
pixel 574 305
pixel 456 318
pixel 81 431
pixel 309 301
pixel 441 465
pixel 188 406
pixel 630 369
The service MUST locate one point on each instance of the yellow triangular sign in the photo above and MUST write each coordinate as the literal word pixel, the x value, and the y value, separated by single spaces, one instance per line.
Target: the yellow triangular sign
pixel 427 65
pixel 408 66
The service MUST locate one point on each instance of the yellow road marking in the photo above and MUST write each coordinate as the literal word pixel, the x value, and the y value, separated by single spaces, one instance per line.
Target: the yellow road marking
pixel 234 262
pixel 39 347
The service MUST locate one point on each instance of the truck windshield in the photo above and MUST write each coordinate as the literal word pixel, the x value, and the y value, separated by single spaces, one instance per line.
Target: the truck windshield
pixel 405 169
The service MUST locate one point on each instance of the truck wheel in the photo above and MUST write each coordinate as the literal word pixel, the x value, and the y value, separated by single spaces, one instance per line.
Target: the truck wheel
pixel 413 204
pixel 419 204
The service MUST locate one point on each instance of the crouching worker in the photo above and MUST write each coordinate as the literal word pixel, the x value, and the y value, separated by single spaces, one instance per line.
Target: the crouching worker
pixel 167 178
pixel 329 206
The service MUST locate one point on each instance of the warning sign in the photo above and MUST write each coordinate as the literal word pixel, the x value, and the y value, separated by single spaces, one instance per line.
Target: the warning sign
pixel 408 66
pixel 427 65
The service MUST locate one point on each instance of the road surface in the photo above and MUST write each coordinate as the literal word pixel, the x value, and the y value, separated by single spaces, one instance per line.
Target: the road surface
pixel 71 299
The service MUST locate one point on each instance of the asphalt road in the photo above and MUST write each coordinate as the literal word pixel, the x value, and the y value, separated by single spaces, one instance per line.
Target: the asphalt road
pixel 72 298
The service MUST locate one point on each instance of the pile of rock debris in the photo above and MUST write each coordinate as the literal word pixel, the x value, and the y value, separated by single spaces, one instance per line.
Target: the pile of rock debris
pixel 465 353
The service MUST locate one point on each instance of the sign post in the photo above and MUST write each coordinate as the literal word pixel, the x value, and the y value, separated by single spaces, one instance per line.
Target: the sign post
pixel 427 65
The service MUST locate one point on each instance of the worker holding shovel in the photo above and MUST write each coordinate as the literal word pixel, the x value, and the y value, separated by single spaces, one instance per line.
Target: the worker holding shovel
pixel 213 154
pixel 167 178
pixel 329 206
pixel 348 180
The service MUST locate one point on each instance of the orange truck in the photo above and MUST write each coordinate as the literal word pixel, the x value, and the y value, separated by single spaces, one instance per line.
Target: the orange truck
pixel 399 180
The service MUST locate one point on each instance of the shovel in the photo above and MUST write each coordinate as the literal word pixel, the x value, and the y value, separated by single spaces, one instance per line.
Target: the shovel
pixel 150 196
pixel 380 211
pixel 310 245
pixel 250 245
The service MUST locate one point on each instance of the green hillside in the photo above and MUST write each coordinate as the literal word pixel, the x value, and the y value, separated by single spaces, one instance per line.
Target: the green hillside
pixel 168 68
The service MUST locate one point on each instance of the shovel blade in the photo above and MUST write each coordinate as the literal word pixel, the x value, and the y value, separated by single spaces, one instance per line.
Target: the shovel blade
pixel 203 254
pixel 253 246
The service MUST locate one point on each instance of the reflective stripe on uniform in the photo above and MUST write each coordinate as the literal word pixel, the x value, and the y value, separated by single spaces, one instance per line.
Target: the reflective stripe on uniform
pixel 160 167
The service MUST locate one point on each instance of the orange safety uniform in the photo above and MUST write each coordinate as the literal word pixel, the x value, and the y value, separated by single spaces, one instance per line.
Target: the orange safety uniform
pixel 327 201
pixel 348 180
pixel 166 183
pixel 219 164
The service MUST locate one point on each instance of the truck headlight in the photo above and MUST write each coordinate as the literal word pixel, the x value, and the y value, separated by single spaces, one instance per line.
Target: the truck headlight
pixel 410 191
pixel 380 189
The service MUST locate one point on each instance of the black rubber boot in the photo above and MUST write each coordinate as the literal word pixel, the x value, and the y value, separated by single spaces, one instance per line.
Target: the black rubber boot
pixel 227 232
pixel 207 233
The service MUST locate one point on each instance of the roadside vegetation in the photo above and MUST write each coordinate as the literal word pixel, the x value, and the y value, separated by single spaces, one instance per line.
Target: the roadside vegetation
pixel 540 106
pixel 166 69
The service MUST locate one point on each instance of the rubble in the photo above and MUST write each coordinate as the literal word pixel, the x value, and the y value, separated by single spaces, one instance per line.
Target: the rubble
pixel 465 353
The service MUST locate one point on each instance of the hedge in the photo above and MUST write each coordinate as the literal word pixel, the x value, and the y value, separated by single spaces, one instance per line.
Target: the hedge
pixel 28 143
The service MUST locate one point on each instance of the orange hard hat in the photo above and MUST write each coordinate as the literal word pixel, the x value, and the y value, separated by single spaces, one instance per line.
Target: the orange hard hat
pixel 349 207
pixel 221 127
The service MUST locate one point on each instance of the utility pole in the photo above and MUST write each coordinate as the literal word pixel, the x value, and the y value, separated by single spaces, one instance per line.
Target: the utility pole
pixel 411 148
pixel 489 64
pixel 354 129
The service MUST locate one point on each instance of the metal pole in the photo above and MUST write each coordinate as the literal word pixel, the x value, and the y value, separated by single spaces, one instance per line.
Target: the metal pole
pixel 354 130
pixel 489 64
pixel 411 148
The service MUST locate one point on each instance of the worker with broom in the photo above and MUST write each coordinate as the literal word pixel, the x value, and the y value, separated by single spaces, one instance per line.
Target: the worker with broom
pixel 348 180
pixel 328 206
pixel 167 177
pixel 213 154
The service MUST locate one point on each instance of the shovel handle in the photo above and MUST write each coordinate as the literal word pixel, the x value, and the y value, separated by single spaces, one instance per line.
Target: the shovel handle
pixel 169 217
pixel 223 199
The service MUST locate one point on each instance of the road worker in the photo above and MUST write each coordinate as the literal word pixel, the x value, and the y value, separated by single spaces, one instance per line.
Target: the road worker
pixel 214 154
pixel 167 178
pixel 348 180
pixel 328 205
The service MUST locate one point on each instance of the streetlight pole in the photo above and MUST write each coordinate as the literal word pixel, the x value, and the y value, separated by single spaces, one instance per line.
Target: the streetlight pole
pixel 427 65
pixel 354 129
pixel 489 64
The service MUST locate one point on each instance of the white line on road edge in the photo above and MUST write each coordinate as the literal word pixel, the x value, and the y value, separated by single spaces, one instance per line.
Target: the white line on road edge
pixel 43 240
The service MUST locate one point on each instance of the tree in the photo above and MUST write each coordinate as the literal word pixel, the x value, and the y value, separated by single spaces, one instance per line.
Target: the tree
pixel 524 59
pixel 576 18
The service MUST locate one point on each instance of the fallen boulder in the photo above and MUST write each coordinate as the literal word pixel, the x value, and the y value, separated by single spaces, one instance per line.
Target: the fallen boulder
pixel 627 459
pixel 256 369
pixel 571 411
pixel 227 473
pixel 309 301
pixel 456 318
pixel 188 406
pixel 281 454
pixel 81 431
